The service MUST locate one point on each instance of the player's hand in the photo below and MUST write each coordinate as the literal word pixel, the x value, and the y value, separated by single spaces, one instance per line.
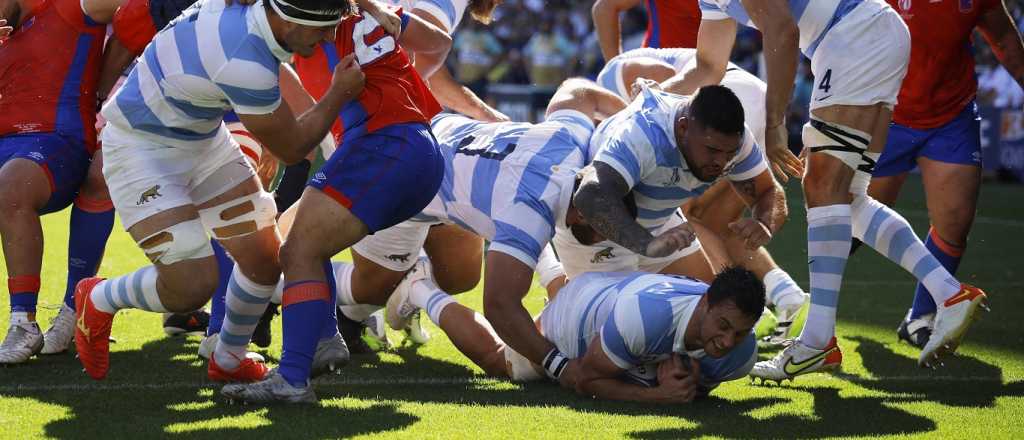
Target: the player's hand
pixel 752 231
pixel 783 162
pixel 490 114
pixel 570 374
pixel 640 84
pixel 386 17
pixel 671 240
pixel 678 379
pixel 348 76
pixel 5 30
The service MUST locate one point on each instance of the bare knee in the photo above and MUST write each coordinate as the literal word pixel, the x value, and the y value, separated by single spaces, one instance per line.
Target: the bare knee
pixel 95 186
pixel 188 287
pixel 822 187
pixel 457 281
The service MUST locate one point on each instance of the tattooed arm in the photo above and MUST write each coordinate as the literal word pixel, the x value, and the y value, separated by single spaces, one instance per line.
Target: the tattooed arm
pixel 767 202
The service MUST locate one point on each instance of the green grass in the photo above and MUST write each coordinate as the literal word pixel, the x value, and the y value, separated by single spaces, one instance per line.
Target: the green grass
pixel 157 386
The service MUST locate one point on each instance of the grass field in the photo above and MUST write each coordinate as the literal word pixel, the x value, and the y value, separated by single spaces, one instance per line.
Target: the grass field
pixel 157 385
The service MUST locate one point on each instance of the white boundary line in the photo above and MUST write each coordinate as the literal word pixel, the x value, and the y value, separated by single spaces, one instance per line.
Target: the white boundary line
pixel 6 391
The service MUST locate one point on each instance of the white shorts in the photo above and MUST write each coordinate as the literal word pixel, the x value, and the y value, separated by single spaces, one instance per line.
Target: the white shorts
pixel 146 177
pixel 863 59
pixel 577 258
pixel 395 248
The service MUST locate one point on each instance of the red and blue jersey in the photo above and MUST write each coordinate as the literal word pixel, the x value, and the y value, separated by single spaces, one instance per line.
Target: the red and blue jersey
pixel 394 92
pixel 940 81
pixel 672 23
pixel 49 72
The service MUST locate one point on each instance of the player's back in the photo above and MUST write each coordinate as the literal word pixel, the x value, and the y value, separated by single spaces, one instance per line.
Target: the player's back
pixel 49 68
pixel 393 92
pixel 211 59
pixel 940 80
pixel 509 181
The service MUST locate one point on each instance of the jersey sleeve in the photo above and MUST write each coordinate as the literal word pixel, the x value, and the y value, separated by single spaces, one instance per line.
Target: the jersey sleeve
pixel 637 330
pixel 448 12
pixel 523 229
pixel 133 25
pixel 750 161
pixel 625 149
pixel 73 11
pixel 251 87
pixel 711 11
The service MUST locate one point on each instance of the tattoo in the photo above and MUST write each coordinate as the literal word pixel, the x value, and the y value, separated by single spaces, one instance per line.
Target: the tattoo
pixel 599 200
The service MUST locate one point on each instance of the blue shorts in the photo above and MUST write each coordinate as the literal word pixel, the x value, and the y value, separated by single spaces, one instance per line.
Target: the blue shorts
pixel 63 158
pixel 384 177
pixel 957 142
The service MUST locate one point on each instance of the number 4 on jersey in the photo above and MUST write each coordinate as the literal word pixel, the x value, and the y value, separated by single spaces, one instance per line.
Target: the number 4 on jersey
pixel 825 79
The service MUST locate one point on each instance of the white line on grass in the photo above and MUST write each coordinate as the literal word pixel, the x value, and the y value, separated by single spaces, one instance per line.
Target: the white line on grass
pixel 93 387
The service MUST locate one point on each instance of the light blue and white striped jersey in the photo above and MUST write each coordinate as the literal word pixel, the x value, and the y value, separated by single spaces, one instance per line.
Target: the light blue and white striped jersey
pixel 211 59
pixel 509 182
pixel 641 319
pixel 813 17
pixel 640 143
pixel 448 12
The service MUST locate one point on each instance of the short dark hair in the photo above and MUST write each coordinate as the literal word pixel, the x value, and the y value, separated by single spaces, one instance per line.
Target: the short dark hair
pixel 718 108
pixel 742 287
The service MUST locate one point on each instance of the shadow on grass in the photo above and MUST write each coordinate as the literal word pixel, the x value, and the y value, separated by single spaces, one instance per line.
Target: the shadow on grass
pixel 167 404
pixel 964 381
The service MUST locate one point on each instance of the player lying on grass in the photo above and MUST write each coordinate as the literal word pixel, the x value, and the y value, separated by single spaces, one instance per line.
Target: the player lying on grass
pixel 712 212
pixel 629 335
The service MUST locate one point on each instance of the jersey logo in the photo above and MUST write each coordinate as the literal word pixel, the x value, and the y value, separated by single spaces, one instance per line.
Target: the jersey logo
pixel 148 195
pixel 793 368
pixel 399 257
pixel 602 255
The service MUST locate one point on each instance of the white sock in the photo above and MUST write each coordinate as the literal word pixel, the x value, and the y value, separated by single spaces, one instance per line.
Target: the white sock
pixel 244 305
pixel 136 290
pixel 18 318
pixel 778 285
pixel 427 296
pixel 349 307
pixel 889 233
pixel 828 246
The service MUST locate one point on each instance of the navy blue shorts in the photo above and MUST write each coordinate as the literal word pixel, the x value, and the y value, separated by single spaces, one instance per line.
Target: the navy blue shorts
pixel 957 142
pixel 384 177
pixel 64 160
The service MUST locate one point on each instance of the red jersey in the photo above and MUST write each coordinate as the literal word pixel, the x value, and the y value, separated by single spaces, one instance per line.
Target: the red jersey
pixel 940 81
pixel 672 23
pixel 394 92
pixel 49 72
pixel 133 25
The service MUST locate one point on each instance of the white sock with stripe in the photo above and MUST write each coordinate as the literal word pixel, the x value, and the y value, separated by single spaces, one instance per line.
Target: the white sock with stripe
pixel 828 246
pixel 779 285
pixel 244 305
pixel 136 290
pixel 889 233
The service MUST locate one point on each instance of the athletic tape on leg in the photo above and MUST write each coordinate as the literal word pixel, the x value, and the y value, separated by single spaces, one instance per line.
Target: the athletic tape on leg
pixel 183 241
pixel 240 217
pixel 846 144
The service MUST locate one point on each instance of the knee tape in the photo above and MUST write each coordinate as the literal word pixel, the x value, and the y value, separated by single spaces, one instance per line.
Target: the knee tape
pixel 240 217
pixel 846 144
pixel 184 241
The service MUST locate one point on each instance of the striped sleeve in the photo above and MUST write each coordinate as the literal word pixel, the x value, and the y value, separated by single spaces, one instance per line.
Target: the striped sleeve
pixel 448 12
pixel 711 11
pixel 522 231
pixel 750 161
pixel 250 83
pixel 579 126
pixel 627 151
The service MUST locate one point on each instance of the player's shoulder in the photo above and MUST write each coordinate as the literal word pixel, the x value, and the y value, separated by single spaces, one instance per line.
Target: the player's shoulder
pixel 448 12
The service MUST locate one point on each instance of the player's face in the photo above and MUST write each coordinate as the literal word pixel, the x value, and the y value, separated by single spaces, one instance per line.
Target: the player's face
pixel 706 150
pixel 303 40
pixel 723 328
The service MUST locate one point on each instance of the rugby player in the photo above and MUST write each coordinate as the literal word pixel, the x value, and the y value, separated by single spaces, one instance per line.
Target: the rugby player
pixel 859 51
pixel 670 23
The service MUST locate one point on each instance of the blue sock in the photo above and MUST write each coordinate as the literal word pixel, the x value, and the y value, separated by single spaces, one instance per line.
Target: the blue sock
pixel 224 266
pixel 24 290
pixel 91 223
pixel 949 256
pixel 305 306
pixel 330 327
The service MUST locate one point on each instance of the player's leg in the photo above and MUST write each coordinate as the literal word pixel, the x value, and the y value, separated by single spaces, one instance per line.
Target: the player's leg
pixel 24 189
pixel 92 219
pixel 456 256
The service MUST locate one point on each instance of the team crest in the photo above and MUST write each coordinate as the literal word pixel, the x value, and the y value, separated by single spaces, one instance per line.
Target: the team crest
pixel 148 195
pixel 399 257
pixel 602 255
